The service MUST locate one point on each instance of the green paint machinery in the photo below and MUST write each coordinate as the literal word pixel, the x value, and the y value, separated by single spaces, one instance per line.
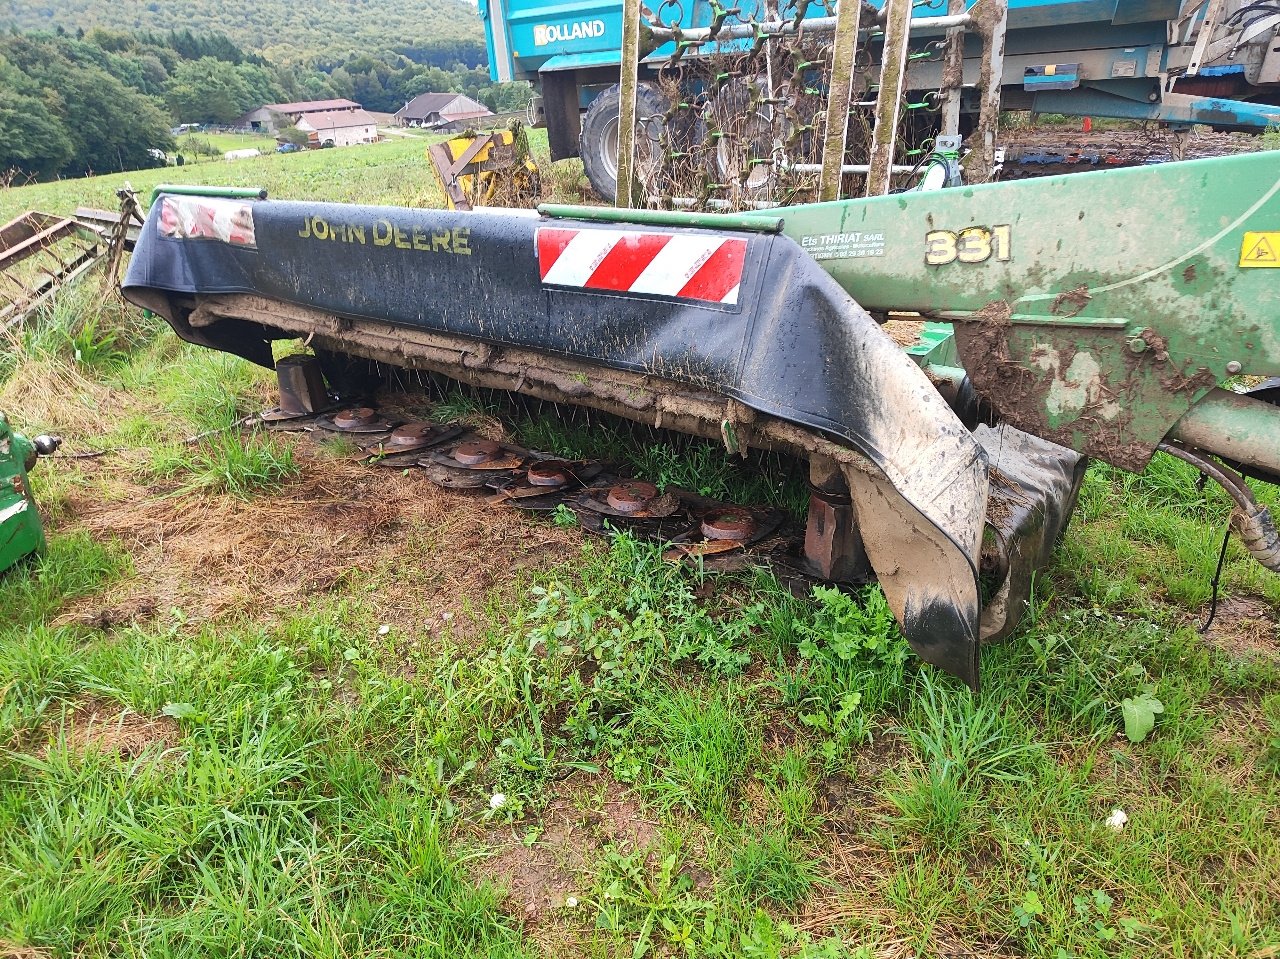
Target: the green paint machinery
pixel 20 531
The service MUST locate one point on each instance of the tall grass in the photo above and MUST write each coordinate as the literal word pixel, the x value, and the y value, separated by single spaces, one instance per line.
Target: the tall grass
pixel 241 466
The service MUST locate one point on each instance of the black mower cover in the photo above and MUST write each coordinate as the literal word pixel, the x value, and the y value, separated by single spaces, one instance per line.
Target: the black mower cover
pixel 746 315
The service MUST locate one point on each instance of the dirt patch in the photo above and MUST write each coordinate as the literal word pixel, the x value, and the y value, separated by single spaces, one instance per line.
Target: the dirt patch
pixel 849 802
pixel 423 551
pixel 543 878
pixel 101 726
pixel 110 615
pixel 9 951
pixel 536 882
pixel 905 333
pixel 1245 627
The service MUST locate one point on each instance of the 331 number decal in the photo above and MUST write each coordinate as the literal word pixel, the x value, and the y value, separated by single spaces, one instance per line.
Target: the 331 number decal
pixel 975 244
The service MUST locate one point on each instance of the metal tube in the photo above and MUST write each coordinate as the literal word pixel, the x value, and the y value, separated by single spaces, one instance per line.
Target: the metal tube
pixel 843 55
pixel 847 168
pixel 629 81
pixel 773 28
pixel 1235 427
pixel 704 221
pixel 683 202
pixel 191 189
pixel 952 19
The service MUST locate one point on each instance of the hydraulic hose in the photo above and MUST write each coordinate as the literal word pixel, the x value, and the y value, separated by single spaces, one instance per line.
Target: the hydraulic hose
pixel 1250 518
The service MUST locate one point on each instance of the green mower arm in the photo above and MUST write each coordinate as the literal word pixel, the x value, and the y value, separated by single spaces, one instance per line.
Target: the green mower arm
pixel 1094 310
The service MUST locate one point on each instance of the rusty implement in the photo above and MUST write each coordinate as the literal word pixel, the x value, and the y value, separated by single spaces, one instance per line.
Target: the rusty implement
pixel 39 253
pixel 489 169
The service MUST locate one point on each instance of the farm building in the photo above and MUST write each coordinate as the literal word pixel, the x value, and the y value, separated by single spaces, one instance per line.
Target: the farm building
pixel 441 111
pixel 342 128
pixel 270 117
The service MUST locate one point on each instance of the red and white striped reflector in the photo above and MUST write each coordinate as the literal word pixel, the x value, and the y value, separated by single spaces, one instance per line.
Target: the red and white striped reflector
pixel 685 265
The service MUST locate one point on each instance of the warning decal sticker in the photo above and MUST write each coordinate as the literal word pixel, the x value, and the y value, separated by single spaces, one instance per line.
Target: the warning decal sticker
pixel 691 266
pixel 1260 249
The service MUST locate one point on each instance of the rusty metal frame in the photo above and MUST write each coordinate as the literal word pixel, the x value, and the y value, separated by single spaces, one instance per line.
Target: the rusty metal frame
pixel 63 259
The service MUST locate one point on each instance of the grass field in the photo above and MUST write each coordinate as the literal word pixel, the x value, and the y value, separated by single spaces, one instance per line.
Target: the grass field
pixel 395 171
pixel 191 144
pixel 257 700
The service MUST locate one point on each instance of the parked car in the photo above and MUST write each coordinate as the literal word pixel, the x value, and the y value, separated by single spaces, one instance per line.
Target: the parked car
pixel 288 148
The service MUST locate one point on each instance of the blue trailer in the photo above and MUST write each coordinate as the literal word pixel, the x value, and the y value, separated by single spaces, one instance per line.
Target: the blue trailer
pixel 1181 62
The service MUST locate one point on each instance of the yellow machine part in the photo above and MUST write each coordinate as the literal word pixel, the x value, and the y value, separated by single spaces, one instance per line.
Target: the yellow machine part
pixel 491 169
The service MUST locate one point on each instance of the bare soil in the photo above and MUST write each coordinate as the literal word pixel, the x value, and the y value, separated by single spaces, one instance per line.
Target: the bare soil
pixel 541 878
pixel 100 726
pixel 1246 627
pixel 431 552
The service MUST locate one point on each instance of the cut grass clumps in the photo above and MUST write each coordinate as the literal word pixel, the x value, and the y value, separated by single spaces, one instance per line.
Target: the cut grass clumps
pixel 240 466
pixel 772 867
pixel 703 753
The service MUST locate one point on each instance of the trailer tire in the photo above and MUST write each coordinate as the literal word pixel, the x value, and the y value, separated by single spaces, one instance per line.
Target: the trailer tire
pixel 599 142
pixel 736 162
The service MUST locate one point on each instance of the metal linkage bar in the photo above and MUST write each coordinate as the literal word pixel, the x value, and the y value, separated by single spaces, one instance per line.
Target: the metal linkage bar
pixel 893 70
pixel 843 59
pixel 1210 23
pixel 628 83
pixel 773 28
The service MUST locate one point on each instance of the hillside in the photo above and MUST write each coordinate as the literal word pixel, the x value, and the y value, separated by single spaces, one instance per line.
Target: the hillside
pixel 281 30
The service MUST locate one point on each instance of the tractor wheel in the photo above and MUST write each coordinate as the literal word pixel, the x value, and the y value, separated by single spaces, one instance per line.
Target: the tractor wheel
pixel 599 142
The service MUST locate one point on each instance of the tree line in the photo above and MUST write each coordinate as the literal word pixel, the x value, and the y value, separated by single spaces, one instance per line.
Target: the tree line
pixel 286 32
pixel 100 100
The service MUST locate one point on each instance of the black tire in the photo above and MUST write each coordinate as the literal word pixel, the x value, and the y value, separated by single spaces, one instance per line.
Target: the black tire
pixel 599 141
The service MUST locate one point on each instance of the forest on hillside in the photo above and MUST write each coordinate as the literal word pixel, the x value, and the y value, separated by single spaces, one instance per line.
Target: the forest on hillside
pixel 103 100
pixel 284 31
